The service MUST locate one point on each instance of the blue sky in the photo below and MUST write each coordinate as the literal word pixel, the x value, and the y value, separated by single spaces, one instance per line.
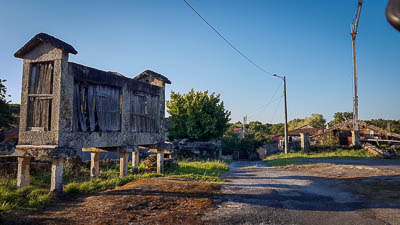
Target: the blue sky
pixel 308 41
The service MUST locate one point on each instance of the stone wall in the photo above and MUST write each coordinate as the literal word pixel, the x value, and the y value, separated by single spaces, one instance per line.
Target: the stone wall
pixel 197 149
pixel 267 150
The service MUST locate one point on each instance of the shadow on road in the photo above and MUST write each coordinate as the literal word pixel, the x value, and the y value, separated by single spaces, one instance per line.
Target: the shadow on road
pixel 290 196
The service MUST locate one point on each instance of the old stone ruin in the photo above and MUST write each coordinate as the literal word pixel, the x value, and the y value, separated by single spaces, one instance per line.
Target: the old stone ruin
pixel 185 149
pixel 378 141
pixel 66 106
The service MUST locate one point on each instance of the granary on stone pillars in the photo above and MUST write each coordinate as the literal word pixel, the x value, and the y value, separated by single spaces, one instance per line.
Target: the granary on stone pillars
pixel 66 106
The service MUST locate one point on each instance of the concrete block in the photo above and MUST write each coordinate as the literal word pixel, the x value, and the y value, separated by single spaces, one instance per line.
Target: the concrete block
pixel 57 171
pixel 160 162
pixel 135 161
pixel 355 139
pixel 304 142
pixel 23 175
pixel 123 163
pixel 94 164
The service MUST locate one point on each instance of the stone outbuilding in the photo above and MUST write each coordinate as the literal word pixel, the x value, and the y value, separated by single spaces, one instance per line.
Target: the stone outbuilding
pixel 341 134
pixel 66 106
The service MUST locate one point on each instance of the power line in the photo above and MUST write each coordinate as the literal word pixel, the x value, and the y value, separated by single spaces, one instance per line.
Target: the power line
pixel 268 103
pixel 229 43
pixel 276 109
pixel 275 100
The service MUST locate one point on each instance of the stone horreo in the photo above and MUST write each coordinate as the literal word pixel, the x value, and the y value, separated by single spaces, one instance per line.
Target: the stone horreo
pixel 66 106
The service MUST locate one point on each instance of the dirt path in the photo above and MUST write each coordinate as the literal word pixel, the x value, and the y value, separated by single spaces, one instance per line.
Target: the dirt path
pixel 145 201
pixel 324 192
pixel 321 194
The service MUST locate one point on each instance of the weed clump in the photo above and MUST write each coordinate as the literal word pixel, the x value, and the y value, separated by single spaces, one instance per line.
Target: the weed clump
pixel 293 158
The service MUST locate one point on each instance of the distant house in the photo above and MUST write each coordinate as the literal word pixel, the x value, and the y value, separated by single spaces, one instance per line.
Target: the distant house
pixel 275 138
pixel 368 133
pixel 294 136
pixel 237 130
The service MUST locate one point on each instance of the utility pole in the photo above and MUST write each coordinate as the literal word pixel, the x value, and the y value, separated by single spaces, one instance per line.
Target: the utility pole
pixel 285 107
pixel 244 126
pixel 354 27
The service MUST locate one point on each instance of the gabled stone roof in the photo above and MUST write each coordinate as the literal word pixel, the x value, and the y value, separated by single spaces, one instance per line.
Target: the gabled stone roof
pixel 44 38
pixel 153 74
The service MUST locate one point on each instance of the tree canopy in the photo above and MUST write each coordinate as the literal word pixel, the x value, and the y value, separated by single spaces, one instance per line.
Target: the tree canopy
pixel 384 124
pixel 316 120
pixel 197 116
pixel 6 117
pixel 340 117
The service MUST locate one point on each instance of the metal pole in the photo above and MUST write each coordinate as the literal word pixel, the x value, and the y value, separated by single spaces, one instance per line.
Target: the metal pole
pixel 286 125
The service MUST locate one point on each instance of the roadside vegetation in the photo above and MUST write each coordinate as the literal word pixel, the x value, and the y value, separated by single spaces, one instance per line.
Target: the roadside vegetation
pixel 301 158
pixel 199 170
pixel 197 116
pixel 8 111
pixel 257 135
pixel 79 182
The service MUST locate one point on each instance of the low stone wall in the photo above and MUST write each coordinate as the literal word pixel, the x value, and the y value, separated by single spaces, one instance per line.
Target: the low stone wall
pixel 7 148
pixel 382 153
pixel 197 149
pixel 267 150
pixel 10 167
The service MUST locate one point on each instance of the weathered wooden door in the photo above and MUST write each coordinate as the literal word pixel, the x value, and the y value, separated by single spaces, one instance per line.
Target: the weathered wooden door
pixel 40 96
pixel 145 112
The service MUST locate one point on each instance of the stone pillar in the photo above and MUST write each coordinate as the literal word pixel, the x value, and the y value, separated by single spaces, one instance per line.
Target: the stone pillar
pixel 135 161
pixel 160 161
pixel 23 175
pixel 94 164
pixel 123 163
pixel 355 139
pixel 57 170
pixel 305 142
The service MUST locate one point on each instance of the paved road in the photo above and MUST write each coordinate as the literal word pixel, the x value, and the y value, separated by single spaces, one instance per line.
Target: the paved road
pixel 262 195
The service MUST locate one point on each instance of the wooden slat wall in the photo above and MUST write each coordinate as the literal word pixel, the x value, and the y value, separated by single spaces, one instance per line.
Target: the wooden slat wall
pixel 41 80
pixel 96 107
pixel 39 107
pixel 145 112
pixel 91 109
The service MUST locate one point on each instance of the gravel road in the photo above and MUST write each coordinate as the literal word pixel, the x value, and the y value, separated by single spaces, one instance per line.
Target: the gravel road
pixel 257 194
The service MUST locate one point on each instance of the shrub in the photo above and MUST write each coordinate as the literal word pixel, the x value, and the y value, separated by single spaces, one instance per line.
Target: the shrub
pixel 26 197
pixel 197 116
pixel 73 188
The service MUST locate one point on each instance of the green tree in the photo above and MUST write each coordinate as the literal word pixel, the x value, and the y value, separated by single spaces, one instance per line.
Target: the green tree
pixel 258 127
pixel 340 117
pixel 316 120
pixel 6 118
pixel 260 132
pixel 393 124
pixel 197 116
pixel 277 129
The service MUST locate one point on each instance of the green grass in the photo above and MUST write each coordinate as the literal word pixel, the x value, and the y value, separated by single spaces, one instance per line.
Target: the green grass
pixel 29 197
pixel 37 195
pixel 199 170
pixel 98 184
pixel 295 158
